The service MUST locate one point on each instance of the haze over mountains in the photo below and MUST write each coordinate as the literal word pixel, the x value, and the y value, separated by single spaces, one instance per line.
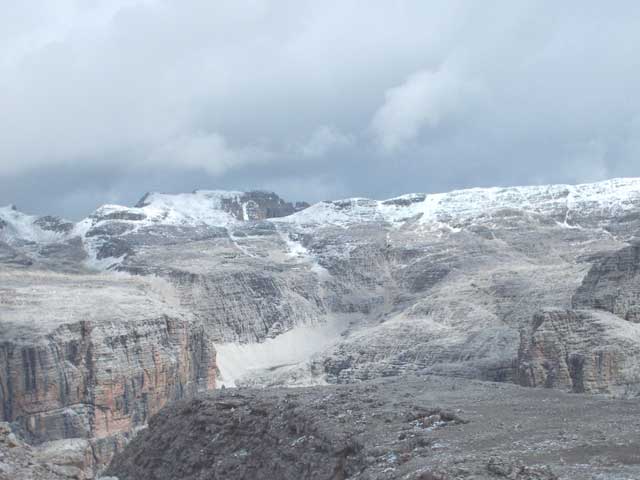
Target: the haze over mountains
pixel 106 320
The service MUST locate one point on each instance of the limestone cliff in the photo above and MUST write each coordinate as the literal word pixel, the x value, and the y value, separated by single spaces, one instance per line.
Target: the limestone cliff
pixel 613 284
pixel 582 351
pixel 92 357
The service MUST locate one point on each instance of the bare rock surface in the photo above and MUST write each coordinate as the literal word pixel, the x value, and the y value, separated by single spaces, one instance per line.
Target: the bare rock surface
pixel 19 461
pixel 91 357
pixel 405 428
pixel 56 460
pixel 581 351
pixel 613 284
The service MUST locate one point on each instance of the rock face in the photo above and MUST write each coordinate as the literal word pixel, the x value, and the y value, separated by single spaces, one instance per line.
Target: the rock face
pixel 613 284
pixel 583 351
pixel 19 461
pixel 596 346
pixel 244 206
pixel 93 357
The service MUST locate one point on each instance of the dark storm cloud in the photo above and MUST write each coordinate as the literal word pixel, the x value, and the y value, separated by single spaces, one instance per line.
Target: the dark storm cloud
pixel 104 100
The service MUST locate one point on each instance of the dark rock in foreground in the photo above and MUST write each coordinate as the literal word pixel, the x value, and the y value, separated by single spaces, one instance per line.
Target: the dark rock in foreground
pixel 405 428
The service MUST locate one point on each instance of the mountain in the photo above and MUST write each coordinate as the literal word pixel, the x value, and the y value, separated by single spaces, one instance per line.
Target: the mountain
pixel 105 320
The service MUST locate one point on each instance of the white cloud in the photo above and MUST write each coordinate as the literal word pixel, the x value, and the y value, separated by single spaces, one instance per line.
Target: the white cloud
pixel 114 81
pixel 585 161
pixel 245 93
pixel 324 140
pixel 209 152
pixel 424 100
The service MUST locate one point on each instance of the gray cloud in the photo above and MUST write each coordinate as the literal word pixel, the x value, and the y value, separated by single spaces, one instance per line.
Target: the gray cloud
pixel 104 100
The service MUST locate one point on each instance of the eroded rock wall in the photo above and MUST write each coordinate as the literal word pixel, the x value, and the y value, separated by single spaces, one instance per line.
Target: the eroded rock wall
pixel 99 378
pixel 96 380
pixel 582 351
pixel 613 284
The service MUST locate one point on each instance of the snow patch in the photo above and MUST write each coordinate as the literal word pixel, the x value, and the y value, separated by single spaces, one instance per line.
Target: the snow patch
pixel 301 254
pixel 202 207
pixel 18 226
pixel 295 346
pixel 235 240
pixel 109 263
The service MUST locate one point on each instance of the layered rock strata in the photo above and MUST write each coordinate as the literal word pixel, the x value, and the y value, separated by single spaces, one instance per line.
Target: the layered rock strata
pixel 93 357
pixel 581 351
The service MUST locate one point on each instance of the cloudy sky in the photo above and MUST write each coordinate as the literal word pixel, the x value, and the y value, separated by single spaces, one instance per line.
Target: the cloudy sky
pixel 103 100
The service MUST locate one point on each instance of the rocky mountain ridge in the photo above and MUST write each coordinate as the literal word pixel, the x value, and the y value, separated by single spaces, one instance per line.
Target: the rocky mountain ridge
pixel 532 285
pixel 584 205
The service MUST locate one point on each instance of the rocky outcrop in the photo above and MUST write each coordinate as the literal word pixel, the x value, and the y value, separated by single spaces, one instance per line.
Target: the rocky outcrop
pixel 93 357
pixel 245 206
pixel 20 461
pixel 245 306
pixel 408 428
pixel 56 460
pixel 54 224
pixel 582 351
pixel 593 347
pixel 613 284
pixel 259 205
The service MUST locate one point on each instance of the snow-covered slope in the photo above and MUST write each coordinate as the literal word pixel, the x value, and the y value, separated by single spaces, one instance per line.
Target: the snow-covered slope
pixel 213 208
pixel 220 208
pixel 565 203
pixel 17 227
pixel 201 207
pixel 168 215
pixel 111 230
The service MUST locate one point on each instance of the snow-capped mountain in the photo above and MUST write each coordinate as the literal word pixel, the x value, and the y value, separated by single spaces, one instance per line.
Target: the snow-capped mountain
pixel 156 216
pixel 535 285
pixel 16 226
pixel 108 233
pixel 569 204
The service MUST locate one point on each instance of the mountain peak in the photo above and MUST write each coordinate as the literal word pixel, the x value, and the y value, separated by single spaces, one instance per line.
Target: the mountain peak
pixel 226 206
pixel 16 226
